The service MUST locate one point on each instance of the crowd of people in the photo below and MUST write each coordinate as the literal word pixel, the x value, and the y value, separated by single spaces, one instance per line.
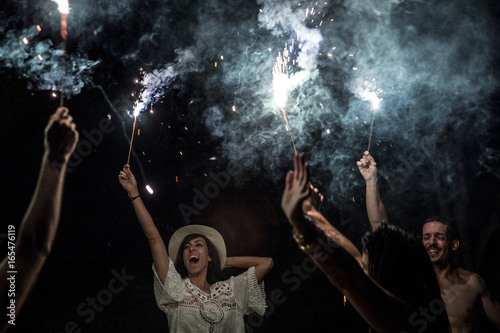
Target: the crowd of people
pixel 397 281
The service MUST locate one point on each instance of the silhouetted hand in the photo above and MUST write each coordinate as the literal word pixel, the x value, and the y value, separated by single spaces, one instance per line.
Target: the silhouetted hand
pixel 61 135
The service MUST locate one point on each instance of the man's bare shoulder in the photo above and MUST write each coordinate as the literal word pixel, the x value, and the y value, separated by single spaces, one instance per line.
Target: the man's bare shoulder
pixel 470 278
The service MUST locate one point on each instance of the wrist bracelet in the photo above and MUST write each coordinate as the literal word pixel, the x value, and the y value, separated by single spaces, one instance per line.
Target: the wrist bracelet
pixel 306 238
pixel 133 198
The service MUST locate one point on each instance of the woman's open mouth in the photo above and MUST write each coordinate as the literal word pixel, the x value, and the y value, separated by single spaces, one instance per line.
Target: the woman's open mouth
pixel 194 259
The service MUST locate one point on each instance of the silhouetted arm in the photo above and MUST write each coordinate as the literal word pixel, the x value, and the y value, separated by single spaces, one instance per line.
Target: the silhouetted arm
pixel 38 229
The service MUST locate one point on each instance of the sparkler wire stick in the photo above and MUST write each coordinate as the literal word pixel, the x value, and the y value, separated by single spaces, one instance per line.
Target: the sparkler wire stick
pixel 63 75
pixel 288 129
pixel 371 130
pixel 63 7
pixel 131 140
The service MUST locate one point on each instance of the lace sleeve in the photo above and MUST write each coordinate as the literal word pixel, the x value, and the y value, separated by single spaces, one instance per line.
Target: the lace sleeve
pixel 249 293
pixel 170 292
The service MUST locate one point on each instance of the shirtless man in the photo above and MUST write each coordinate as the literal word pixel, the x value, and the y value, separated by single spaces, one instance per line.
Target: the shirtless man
pixel 464 292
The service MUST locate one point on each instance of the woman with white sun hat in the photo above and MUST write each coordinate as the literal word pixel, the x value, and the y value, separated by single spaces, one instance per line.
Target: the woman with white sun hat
pixel 185 277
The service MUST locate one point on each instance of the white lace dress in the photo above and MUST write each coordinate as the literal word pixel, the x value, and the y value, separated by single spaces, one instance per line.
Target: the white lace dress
pixel 189 309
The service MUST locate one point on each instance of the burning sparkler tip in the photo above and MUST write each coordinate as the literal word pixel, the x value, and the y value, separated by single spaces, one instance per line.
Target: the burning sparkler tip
pixel 63 6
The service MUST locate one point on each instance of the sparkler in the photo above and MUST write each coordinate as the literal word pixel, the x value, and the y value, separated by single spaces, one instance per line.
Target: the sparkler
pixel 138 107
pixel 131 140
pixel 63 7
pixel 141 104
pixel 371 96
pixel 285 63
pixel 371 130
pixel 375 101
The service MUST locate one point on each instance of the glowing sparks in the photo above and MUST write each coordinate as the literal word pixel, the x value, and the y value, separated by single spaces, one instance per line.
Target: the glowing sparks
pixel 40 57
pixel 138 108
pixel 282 83
pixel 25 40
pixel 282 71
pixel 149 189
pixel 369 92
pixel 62 6
pixel 372 97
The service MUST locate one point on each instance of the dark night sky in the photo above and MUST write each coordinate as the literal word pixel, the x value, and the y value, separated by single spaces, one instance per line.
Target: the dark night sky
pixel 433 64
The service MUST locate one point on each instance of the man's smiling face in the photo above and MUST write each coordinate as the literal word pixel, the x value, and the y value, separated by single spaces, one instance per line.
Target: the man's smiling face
pixel 436 242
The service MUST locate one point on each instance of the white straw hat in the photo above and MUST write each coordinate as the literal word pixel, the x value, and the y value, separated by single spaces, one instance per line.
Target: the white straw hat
pixel 209 233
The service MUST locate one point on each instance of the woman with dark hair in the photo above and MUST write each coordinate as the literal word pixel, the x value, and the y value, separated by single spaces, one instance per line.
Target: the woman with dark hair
pixel 383 284
pixel 186 278
pixel 398 262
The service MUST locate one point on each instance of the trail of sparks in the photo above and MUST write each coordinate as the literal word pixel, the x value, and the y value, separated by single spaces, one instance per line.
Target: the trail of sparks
pixel 285 64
